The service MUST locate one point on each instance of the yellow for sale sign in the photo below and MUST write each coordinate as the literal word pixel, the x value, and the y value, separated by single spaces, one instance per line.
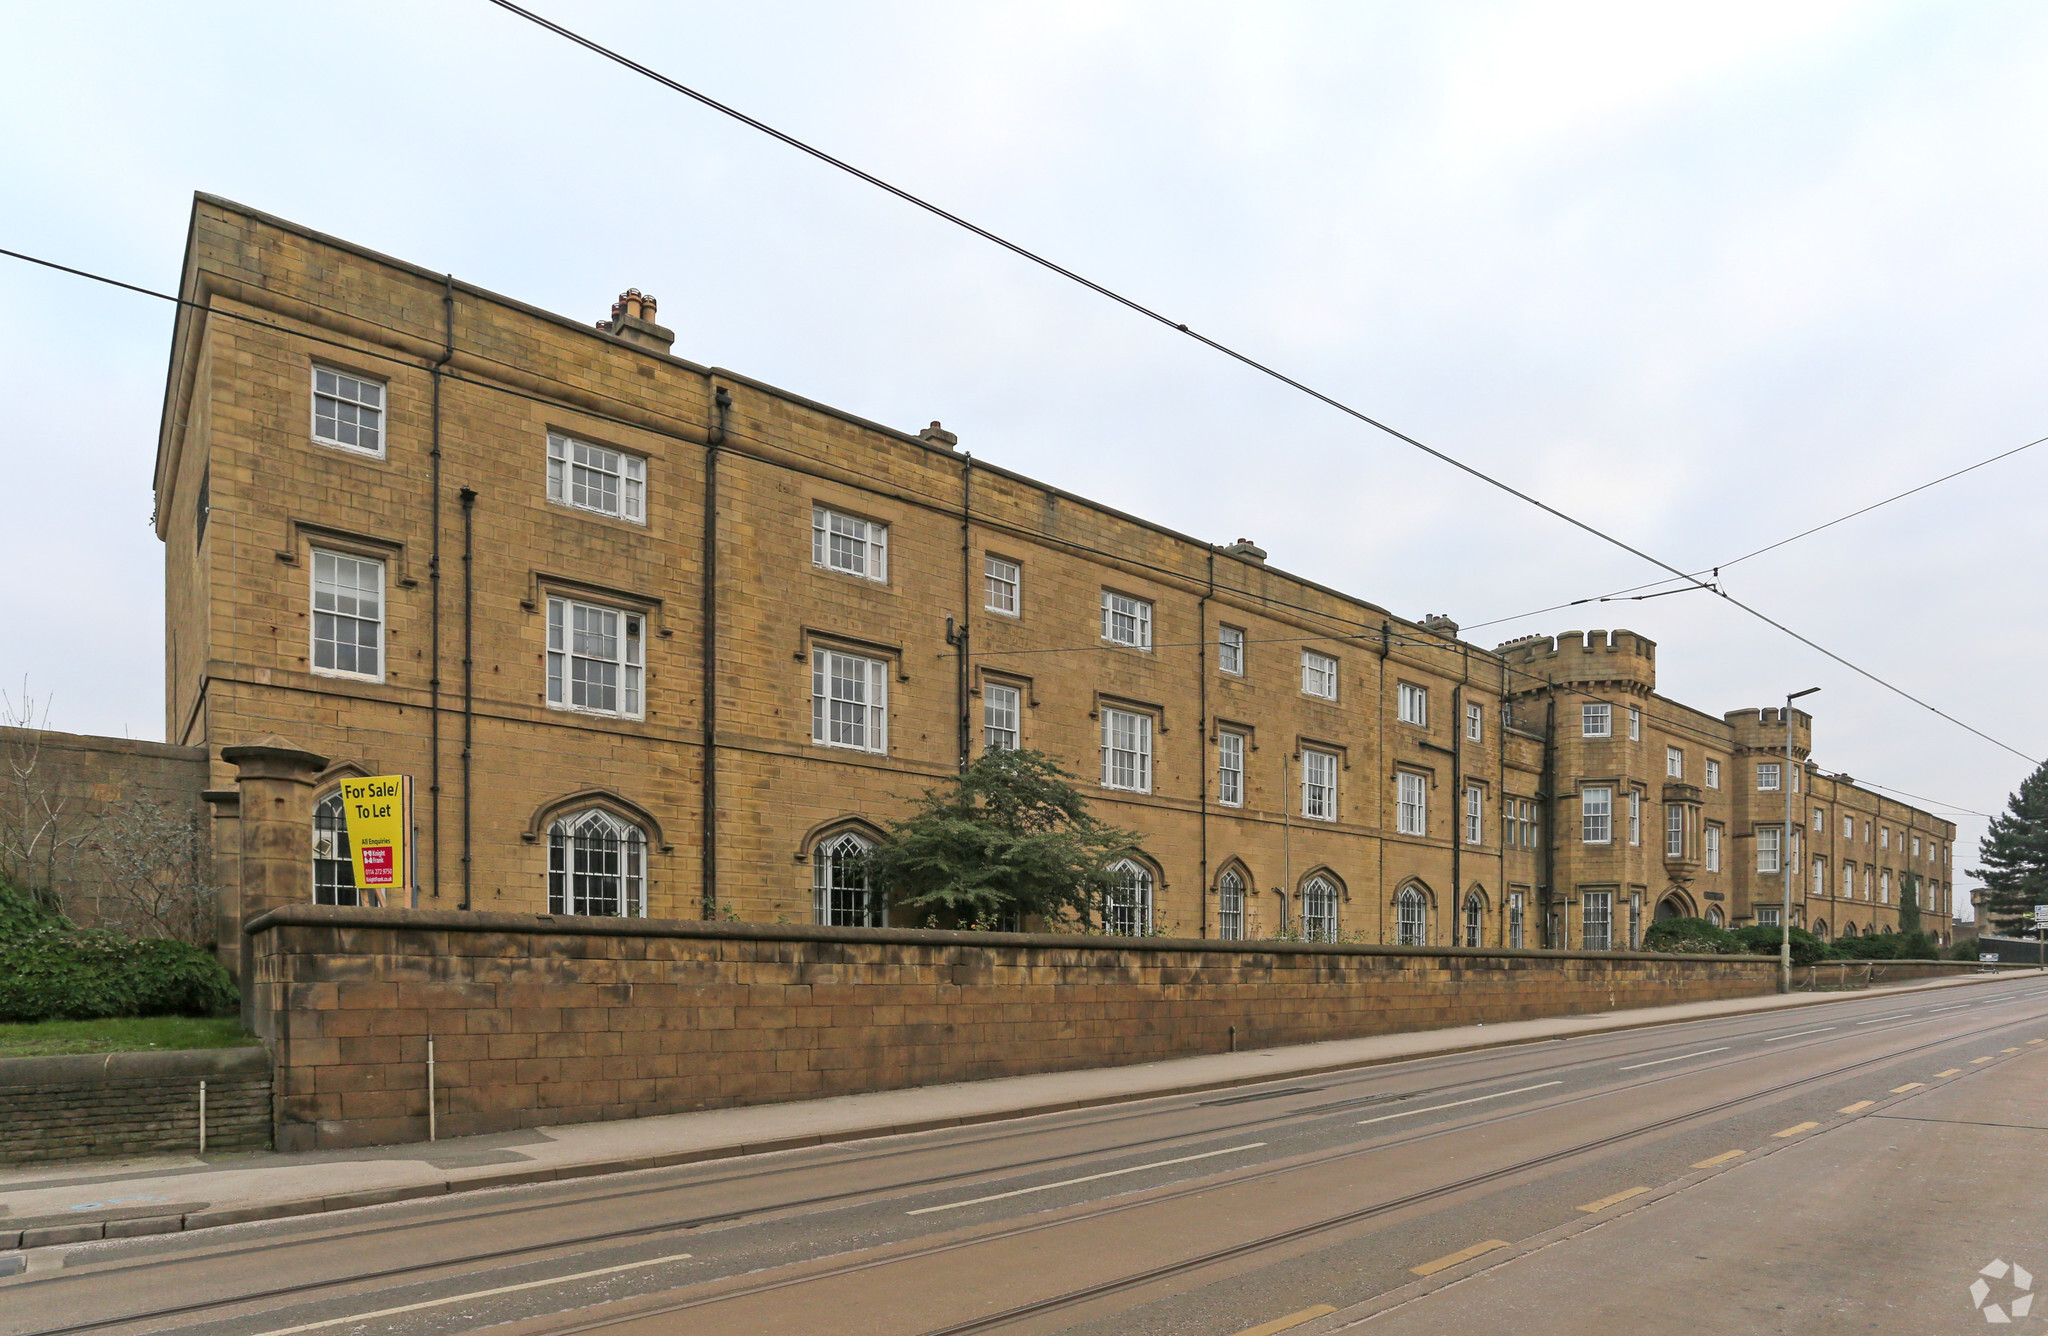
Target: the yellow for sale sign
pixel 379 815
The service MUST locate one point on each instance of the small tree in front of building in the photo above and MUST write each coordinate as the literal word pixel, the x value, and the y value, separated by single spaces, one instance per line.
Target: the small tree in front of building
pixel 1011 838
pixel 1909 903
pixel 2015 854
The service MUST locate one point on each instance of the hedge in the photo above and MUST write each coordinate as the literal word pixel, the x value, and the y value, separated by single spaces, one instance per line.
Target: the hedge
pixel 51 970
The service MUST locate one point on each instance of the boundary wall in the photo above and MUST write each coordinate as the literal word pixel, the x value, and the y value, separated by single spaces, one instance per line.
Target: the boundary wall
pixel 540 1020
pixel 99 1104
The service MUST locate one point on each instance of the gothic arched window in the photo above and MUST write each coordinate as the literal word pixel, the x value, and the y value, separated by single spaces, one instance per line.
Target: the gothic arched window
pixel 1319 909
pixel 839 882
pixel 334 873
pixel 597 865
pixel 1475 920
pixel 1128 912
pixel 1411 918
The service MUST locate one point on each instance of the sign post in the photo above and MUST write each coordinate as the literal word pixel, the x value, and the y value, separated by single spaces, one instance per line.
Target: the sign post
pixel 379 815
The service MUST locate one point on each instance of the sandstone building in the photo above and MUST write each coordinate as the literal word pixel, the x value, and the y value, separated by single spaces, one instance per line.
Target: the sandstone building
pixel 658 639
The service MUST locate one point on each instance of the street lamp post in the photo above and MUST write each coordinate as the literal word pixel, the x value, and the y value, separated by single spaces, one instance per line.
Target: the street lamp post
pixel 1785 854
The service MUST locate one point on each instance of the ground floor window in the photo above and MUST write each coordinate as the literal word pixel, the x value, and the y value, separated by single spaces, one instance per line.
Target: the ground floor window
pixel 1515 932
pixel 839 883
pixel 334 874
pixel 1411 918
pixel 597 865
pixel 1475 920
pixel 1319 910
pixel 1128 911
pixel 1597 921
pixel 1230 905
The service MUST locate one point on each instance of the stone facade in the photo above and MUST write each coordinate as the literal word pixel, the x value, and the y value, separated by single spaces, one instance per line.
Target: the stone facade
pixel 765 547
pixel 1696 806
pixel 542 1021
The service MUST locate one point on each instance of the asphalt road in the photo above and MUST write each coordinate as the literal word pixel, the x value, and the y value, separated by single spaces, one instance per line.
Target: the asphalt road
pixel 1834 1169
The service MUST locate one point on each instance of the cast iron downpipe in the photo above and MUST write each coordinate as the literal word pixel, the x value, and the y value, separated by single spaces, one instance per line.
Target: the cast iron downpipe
pixel 721 400
pixel 468 676
pixel 434 586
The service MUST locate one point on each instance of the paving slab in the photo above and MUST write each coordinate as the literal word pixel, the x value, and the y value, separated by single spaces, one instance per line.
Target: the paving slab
pixel 47 1204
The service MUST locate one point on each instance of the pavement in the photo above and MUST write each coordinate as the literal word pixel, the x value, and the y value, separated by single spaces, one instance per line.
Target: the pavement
pixel 44 1205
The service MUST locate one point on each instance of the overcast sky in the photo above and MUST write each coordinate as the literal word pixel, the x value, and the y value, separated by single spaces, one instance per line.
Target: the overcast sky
pixel 1701 280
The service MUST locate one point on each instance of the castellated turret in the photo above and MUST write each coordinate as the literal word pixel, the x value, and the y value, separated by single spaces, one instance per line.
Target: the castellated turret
pixel 1585 658
pixel 1763 730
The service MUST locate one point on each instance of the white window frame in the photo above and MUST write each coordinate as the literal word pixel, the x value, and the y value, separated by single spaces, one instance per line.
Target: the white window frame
pixel 1126 767
pixel 1126 620
pixel 1230 747
pixel 1002 585
pixel 1596 720
pixel 1884 887
pixel 1230 650
pixel 1820 821
pixel 1475 814
pixel 1475 722
pixel 344 606
pixel 1596 910
pixel 1770 847
pixel 1635 724
pixel 566 651
pixel 1884 838
pixel 1319 909
pixel 832 726
pixel 569 457
pixel 1411 803
pixel 1318 675
pixel 1713 773
pixel 1713 843
pixel 1769 916
pixel 1002 716
pixel 1128 912
pixel 1318 784
pixel 342 398
pixel 1230 905
pixel 841 894
pixel 1411 918
pixel 1848 881
pixel 863 549
pixel 1848 827
pixel 596 857
pixel 1515 920
pixel 1769 775
pixel 1412 704
pixel 1674 763
pixel 1819 882
pixel 1635 816
pixel 1596 814
pixel 1674 830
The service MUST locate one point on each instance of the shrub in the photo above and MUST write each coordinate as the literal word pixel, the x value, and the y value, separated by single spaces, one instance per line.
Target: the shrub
pixel 50 970
pixel 1760 939
pixel 1689 936
pixel 1889 946
pixel 1966 949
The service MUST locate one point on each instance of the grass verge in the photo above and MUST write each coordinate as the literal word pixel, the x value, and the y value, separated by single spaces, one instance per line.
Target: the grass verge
pixel 134 1034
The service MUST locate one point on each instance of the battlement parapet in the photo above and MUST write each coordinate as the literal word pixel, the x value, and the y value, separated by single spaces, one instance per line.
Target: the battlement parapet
pixel 1621 657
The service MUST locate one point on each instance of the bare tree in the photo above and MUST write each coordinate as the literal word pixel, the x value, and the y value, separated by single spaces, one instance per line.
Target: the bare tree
pixel 37 825
pixel 155 865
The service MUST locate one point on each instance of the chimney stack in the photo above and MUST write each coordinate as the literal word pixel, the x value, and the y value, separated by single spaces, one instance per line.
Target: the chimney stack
pixel 1440 624
pixel 937 435
pixel 1246 550
pixel 633 320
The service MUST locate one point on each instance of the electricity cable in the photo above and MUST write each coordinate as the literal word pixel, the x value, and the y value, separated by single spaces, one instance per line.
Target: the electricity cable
pixel 1244 359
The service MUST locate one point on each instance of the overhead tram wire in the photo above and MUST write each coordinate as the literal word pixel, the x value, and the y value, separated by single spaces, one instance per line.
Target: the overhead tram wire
pixel 1618 595
pixel 1244 359
pixel 1364 629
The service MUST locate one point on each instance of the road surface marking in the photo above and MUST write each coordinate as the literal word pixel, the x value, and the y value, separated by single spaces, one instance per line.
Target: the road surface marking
pixel 1796 1033
pixel 1457 1103
pixel 2008 1050
pixel 2033 1041
pixel 467 1295
pixel 1796 1129
pixel 1910 1085
pixel 1722 1158
pixel 1953 1071
pixel 1975 1061
pixel 1894 1016
pixel 1858 1107
pixel 1462 1255
pixel 1280 1324
pixel 1087 1178
pixel 1595 1207
pixel 1680 1058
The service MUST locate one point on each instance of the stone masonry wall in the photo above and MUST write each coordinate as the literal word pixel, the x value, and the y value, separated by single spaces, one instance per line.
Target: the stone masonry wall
pixel 70 1108
pixel 542 1021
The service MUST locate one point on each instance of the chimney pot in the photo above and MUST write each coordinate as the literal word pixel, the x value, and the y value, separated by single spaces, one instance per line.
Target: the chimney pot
pixel 938 435
pixel 1245 549
pixel 633 320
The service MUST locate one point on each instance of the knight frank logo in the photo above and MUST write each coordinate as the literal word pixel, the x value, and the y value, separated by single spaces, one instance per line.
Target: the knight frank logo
pixel 2014 1298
